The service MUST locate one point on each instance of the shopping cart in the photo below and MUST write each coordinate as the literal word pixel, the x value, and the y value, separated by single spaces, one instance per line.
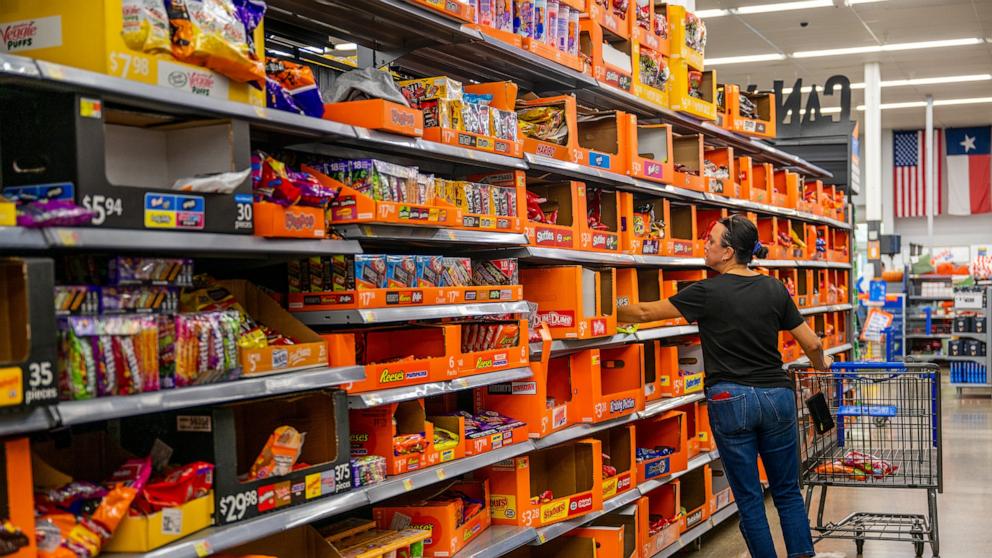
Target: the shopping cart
pixel 871 425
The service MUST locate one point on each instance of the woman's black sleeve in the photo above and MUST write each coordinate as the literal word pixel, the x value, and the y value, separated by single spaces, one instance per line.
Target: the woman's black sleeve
pixel 691 301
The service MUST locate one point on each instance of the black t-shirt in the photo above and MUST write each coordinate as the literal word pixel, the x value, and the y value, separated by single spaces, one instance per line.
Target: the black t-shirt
pixel 739 318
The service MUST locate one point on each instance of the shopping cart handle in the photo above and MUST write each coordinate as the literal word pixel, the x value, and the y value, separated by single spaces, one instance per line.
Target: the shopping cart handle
pixel 868 365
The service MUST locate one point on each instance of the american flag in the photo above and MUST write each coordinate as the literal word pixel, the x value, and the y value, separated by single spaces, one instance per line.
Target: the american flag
pixel 909 172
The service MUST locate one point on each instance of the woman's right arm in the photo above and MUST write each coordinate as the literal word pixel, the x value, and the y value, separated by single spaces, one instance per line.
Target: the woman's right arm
pixel 812 346
pixel 647 312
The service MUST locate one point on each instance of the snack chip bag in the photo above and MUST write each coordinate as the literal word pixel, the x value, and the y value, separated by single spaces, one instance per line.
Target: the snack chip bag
pixel 279 454
pixel 220 41
pixel 145 25
pixel 182 33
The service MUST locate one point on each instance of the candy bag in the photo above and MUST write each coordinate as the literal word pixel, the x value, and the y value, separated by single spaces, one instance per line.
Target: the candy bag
pixel 279 454
pixel 180 486
pixel 219 183
pixel 145 25
pixel 182 33
pixel 298 80
pixel 277 97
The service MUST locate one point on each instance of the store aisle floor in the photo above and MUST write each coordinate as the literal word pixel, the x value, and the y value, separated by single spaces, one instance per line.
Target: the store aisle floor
pixel 963 508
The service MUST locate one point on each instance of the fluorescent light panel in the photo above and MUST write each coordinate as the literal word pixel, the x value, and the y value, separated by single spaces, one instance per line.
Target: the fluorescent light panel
pixel 886 48
pixel 747 58
pixel 345 46
pixel 905 82
pixel 777 7
pixel 913 104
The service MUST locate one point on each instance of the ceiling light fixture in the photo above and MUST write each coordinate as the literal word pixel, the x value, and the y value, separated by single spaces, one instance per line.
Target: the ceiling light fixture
pixel 747 58
pixel 886 48
pixel 782 6
pixel 777 7
pixel 904 82
pixel 913 104
pixel 345 46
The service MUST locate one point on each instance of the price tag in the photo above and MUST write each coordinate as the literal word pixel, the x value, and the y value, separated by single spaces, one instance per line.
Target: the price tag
pixel 369 316
pixel 441 475
pixel 460 382
pixel 203 549
pixel 68 238
pixel 407 484
pixel 541 538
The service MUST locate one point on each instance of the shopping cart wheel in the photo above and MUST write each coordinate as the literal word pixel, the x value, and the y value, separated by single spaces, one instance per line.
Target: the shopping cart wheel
pixel 918 541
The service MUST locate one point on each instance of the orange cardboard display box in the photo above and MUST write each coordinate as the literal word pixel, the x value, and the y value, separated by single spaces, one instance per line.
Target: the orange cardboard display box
pixel 661 371
pixel 308 351
pixel 676 280
pixel 610 541
pixel 704 430
pixel 840 204
pixel 819 326
pixel 555 397
pixel 692 90
pixel 516 216
pixel 811 197
pixel 626 521
pixel 721 495
pixel 472 140
pixel 823 283
pixel 773 232
pixel 610 18
pixel 568 202
pixel 649 26
pixel 376 431
pixel 636 285
pixel 681 23
pixel 378 114
pixel 723 159
pixel 706 218
pixel 18 489
pixel 649 150
pixel 695 488
pixel 457 10
pixel 602 139
pixel 429 511
pixel 688 162
pixel 652 79
pixel 644 223
pixel 788 347
pixel 660 503
pixel 548 485
pixel 600 229
pixel 762 177
pixel 683 237
pixel 816 234
pixel 568 149
pixel 691 366
pixel 618 449
pixel 575 301
pixel 692 429
pixel 618 385
pixel 807 295
pixel 444 409
pixel 806 248
pixel 789 277
pixel 352 206
pixel 669 430
pixel 275 221
pixel 553 53
pixel 785 189
pixel 562 547
pixel 731 118
pixel 744 176
pixel 609 54
pixel 839 246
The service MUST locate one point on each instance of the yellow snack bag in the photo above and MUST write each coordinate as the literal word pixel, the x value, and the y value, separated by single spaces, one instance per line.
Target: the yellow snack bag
pixel 145 25
pixel 220 41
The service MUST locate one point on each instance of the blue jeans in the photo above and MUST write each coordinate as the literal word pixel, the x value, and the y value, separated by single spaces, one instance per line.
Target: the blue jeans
pixel 761 421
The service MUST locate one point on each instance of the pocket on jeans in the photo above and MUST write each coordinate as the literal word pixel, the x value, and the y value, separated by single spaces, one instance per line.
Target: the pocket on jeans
pixel 728 416
pixel 782 402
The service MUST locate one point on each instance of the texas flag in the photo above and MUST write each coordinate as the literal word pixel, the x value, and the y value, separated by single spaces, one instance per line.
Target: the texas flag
pixel 969 172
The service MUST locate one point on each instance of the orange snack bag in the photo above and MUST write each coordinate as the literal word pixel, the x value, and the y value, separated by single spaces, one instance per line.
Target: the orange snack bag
pixel 279 454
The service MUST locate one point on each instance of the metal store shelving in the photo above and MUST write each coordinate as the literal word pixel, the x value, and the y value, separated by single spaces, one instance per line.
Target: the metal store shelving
pixel 395 395
pixel 426 235
pixel 406 313
pixel 827 308
pixel 698 531
pixel 215 539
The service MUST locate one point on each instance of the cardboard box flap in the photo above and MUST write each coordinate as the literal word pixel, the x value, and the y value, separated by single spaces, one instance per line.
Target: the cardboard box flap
pixel 267 311
pixel 15 328
pixel 301 542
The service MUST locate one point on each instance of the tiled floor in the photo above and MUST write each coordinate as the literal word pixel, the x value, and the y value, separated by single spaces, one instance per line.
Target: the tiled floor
pixel 964 508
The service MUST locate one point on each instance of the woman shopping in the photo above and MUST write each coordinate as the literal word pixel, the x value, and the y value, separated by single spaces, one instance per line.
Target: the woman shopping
pixel 749 394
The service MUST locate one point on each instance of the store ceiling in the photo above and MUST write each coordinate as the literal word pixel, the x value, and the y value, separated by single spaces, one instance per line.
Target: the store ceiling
pixel 886 22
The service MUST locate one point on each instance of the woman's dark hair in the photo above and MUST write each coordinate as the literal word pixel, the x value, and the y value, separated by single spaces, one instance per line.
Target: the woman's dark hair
pixel 742 236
